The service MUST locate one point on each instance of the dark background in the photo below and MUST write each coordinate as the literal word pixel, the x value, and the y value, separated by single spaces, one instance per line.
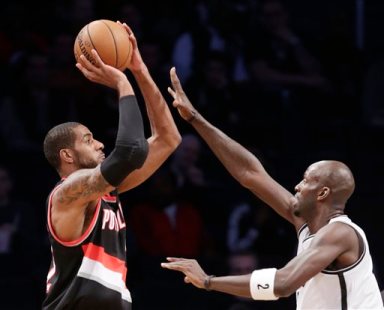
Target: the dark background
pixel 40 87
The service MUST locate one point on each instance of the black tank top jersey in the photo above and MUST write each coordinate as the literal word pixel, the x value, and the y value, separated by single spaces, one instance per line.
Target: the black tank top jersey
pixel 90 272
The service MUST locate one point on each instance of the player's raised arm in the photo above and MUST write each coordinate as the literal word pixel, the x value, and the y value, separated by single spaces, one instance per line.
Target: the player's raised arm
pixel 165 136
pixel 240 163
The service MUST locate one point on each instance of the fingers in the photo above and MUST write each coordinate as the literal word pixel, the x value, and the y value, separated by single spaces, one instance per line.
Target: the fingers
pixel 99 62
pixel 175 83
pixel 175 80
pixel 84 66
pixel 172 266
pixel 176 263
pixel 130 33
pixel 171 92
pixel 126 27
pixel 129 30
pixel 89 65
pixel 176 259
pixel 85 63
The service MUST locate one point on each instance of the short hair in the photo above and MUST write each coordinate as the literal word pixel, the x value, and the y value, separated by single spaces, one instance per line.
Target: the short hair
pixel 59 137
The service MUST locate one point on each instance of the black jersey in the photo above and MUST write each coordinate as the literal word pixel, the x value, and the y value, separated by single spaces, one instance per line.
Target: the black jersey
pixel 90 272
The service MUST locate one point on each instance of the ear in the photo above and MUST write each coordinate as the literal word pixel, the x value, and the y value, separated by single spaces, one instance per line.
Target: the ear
pixel 324 192
pixel 66 156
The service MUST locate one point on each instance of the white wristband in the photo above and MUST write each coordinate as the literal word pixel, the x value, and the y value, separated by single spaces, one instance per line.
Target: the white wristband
pixel 262 284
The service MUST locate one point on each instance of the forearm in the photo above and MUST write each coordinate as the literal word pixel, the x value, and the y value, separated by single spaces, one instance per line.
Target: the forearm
pixel 159 115
pixel 131 147
pixel 233 285
pixel 235 158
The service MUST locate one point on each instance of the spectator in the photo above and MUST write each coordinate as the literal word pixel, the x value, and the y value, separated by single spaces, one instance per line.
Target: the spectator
pixel 201 34
pixel 281 66
pixel 167 223
pixel 186 163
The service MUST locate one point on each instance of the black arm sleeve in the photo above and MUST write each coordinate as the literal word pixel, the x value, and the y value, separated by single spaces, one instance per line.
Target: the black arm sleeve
pixel 131 148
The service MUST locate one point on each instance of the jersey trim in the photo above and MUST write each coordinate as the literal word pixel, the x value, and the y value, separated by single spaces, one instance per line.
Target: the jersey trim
pixel 343 292
pixel 327 271
pixel 51 273
pixel 83 236
pixel 109 198
pixel 301 229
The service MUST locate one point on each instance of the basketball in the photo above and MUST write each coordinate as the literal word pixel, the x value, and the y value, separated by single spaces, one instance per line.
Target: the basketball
pixel 109 39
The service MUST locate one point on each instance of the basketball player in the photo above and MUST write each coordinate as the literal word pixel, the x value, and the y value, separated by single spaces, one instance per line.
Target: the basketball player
pixel 333 266
pixel 85 220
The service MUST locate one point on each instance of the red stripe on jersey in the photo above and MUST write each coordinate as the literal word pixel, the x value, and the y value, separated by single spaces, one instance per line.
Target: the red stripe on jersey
pixel 97 253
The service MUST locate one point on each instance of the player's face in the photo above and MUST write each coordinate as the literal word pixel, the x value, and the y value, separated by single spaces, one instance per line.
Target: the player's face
pixel 306 194
pixel 88 151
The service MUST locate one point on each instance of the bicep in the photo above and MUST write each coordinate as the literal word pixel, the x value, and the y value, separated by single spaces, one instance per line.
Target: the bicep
pixel 82 187
pixel 311 261
pixel 71 199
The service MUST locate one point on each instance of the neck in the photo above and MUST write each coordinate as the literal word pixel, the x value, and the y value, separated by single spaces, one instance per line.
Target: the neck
pixel 335 214
pixel 318 223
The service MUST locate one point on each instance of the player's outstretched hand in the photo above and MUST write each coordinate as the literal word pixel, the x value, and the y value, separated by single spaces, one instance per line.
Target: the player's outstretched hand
pixel 190 267
pixel 181 101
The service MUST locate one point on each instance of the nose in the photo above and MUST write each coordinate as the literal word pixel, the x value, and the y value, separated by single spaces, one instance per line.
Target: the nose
pixel 99 145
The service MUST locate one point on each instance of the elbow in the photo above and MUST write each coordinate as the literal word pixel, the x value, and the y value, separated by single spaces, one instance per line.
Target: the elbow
pixel 123 160
pixel 139 153
pixel 171 140
pixel 247 179
pixel 176 140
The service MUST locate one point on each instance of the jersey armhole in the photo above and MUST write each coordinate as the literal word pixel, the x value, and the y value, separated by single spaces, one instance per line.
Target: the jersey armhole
pixel 83 236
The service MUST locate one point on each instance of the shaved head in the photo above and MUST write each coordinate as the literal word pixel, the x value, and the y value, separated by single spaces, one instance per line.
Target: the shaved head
pixel 335 175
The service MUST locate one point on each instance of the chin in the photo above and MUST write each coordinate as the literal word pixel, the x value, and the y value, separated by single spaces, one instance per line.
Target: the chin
pixel 90 165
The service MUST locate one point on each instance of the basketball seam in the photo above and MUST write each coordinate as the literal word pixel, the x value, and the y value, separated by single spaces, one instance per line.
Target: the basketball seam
pixel 90 38
pixel 127 57
pixel 114 41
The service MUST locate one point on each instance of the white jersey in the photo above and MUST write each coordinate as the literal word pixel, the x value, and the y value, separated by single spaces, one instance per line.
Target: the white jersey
pixel 354 287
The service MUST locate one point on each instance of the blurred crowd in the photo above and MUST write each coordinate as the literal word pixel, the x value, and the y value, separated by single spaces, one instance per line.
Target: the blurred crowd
pixel 285 78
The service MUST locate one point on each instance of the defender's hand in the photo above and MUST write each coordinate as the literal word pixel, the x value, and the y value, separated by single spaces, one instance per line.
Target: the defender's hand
pixel 181 101
pixel 190 267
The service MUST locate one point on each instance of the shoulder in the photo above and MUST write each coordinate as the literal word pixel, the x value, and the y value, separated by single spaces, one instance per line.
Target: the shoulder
pixel 337 232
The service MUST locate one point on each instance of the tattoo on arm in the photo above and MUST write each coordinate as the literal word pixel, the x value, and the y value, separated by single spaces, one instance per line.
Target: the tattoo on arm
pixel 84 186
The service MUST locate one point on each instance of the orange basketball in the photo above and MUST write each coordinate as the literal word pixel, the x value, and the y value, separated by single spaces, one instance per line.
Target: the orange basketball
pixel 109 39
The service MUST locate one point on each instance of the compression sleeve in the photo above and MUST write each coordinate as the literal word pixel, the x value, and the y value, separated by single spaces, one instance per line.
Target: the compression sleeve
pixel 131 147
